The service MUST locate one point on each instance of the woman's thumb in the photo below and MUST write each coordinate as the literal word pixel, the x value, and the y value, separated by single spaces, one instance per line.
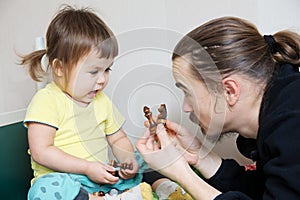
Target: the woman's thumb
pixel 162 135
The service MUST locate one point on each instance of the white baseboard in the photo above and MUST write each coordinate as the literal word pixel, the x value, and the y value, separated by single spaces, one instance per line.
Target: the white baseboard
pixel 12 117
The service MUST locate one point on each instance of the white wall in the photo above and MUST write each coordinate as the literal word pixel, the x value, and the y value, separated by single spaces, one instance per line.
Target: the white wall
pixel 147 32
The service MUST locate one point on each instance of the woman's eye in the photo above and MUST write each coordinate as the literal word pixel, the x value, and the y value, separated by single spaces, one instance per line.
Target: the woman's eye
pixel 108 69
pixel 186 94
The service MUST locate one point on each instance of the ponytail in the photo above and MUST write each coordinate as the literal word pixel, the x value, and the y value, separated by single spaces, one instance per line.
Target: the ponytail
pixel 287 47
pixel 33 61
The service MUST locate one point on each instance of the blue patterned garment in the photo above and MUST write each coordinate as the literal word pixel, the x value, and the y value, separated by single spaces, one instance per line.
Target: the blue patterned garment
pixel 58 186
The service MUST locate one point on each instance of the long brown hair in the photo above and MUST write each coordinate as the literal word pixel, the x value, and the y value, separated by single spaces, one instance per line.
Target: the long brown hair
pixel 236 46
pixel 72 34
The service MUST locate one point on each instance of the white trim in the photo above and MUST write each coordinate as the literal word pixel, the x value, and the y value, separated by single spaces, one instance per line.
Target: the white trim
pixel 7 118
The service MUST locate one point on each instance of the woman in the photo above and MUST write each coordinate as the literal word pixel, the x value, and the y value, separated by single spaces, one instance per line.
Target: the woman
pixel 234 80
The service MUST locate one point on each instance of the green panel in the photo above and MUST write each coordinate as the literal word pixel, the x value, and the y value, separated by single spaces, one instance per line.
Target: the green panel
pixel 15 171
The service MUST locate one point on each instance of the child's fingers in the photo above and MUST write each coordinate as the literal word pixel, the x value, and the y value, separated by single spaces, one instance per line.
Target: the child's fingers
pixel 110 178
pixel 127 173
pixel 129 169
pixel 109 168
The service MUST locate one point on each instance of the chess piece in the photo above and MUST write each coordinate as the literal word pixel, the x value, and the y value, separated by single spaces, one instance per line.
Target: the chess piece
pixel 152 123
pixel 162 117
pixel 115 164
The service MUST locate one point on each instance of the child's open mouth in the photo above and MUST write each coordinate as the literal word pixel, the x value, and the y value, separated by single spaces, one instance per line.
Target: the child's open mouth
pixel 92 94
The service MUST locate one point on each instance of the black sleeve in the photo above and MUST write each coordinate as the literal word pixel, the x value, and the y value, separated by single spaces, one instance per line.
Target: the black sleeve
pixel 150 176
pixel 232 195
pixel 233 177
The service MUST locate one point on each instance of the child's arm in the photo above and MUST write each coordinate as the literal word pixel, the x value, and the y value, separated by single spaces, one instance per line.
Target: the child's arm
pixel 43 151
pixel 123 150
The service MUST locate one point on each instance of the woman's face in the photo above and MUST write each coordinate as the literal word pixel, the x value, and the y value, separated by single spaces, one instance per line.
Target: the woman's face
pixel 198 101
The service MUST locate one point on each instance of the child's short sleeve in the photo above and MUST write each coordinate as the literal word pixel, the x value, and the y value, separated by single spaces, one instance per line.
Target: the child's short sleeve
pixel 43 109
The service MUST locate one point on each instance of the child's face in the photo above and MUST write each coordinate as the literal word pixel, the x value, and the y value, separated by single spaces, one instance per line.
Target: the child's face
pixel 89 77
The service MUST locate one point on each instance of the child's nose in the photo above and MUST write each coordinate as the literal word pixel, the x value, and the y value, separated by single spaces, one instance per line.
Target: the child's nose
pixel 101 79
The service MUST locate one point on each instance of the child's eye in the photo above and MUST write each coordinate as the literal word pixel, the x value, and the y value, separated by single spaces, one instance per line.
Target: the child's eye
pixel 108 69
pixel 94 72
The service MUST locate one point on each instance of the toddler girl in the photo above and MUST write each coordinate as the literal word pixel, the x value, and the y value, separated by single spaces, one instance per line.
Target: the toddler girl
pixel 71 121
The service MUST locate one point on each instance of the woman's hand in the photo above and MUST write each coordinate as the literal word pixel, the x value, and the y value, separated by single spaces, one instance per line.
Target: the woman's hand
pixel 129 173
pixel 101 173
pixel 195 152
pixel 168 160
pixel 186 141
pixel 163 157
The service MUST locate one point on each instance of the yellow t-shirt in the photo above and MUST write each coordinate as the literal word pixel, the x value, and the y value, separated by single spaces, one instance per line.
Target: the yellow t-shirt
pixel 80 131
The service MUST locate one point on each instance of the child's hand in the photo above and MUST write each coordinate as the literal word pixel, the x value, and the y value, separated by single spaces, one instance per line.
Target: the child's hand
pixel 127 173
pixel 101 173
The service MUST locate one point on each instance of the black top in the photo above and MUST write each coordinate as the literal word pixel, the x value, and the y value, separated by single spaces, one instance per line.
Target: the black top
pixel 278 146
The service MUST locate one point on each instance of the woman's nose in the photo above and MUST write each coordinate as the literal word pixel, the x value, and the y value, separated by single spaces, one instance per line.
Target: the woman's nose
pixel 186 107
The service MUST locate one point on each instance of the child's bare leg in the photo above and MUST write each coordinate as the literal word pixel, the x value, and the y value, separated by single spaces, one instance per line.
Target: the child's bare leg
pixel 94 197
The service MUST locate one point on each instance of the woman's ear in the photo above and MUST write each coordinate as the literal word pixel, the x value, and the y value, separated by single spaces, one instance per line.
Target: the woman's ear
pixel 232 90
pixel 57 67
